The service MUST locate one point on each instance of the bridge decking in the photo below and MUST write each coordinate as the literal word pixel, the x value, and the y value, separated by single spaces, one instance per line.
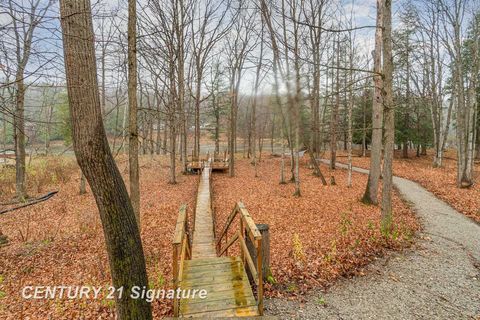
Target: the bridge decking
pixel 228 289
pixel 203 245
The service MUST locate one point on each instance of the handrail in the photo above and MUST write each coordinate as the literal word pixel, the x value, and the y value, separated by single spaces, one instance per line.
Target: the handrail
pixel 181 251
pixel 217 157
pixel 210 186
pixel 248 228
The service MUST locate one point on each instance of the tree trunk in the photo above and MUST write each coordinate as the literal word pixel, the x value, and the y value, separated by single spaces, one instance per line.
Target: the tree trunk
pixel 19 135
pixel 165 136
pixel 158 145
pixel 196 144
pixel 48 128
pixel 273 134
pixel 217 132
pixel 389 115
pixel 364 116
pixel 334 117
pixel 371 191
pixel 349 113
pixel 254 105
pixel 296 115
pixel 122 235
pixel 180 56
pixel 134 170
pixel 173 146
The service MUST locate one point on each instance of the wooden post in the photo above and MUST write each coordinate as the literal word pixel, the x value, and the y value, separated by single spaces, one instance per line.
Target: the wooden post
pixel 260 276
pixel 264 231
pixel 175 277
pixel 242 232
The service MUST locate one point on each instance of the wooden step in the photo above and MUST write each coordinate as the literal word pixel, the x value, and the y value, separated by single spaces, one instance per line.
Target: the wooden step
pixel 186 309
pixel 228 289
pixel 219 260
pixel 228 313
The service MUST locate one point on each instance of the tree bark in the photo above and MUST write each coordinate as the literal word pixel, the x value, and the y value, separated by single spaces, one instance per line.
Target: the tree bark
pixel 122 235
pixel 19 135
pixel 83 184
pixel 132 110
pixel 371 191
pixel 335 107
pixel 389 115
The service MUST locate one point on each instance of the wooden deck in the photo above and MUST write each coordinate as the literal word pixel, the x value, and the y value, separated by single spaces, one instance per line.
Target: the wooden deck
pixel 219 166
pixel 229 293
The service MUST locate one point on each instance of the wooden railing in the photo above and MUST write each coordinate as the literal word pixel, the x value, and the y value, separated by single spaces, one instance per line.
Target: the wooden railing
pixel 181 251
pixel 217 157
pixel 247 229
pixel 210 185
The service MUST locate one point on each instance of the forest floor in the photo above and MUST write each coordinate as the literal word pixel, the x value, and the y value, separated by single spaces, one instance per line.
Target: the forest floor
pixel 316 238
pixel 439 279
pixel 60 241
pixel 440 181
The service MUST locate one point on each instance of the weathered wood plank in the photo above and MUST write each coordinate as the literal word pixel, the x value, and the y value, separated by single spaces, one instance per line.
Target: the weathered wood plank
pixel 201 274
pixel 213 278
pixel 249 222
pixel 230 293
pixel 203 237
pixel 209 261
pixel 180 226
pixel 216 305
pixel 236 312
pixel 231 265
pixel 251 265
pixel 243 284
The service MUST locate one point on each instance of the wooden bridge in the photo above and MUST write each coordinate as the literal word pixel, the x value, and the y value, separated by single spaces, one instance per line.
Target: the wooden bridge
pixel 199 261
pixel 217 163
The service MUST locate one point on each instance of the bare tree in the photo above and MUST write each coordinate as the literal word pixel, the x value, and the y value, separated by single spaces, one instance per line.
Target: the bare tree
pixel 371 191
pixel 240 43
pixel 208 28
pixel 25 18
pixel 335 106
pixel 452 18
pixel 122 235
pixel 132 110
pixel 255 101
pixel 389 114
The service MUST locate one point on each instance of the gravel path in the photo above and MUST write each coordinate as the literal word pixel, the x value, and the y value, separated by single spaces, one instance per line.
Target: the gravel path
pixel 438 279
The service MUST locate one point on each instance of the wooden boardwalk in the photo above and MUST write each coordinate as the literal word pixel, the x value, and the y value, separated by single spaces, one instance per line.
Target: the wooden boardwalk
pixel 203 245
pixel 229 293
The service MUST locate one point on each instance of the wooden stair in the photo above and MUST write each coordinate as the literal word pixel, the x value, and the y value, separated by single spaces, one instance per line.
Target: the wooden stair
pixel 229 293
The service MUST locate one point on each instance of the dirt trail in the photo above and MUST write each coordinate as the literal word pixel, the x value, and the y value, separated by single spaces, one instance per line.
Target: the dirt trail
pixel 438 279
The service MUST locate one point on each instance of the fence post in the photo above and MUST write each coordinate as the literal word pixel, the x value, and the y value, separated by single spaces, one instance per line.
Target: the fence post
pixel 264 231
pixel 260 277
pixel 175 278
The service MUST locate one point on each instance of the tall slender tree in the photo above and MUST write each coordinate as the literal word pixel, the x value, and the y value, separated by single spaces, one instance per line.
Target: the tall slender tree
pixel 371 191
pixel 389 117
pixel 25 20
pixel 122 235
pixel 133 110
